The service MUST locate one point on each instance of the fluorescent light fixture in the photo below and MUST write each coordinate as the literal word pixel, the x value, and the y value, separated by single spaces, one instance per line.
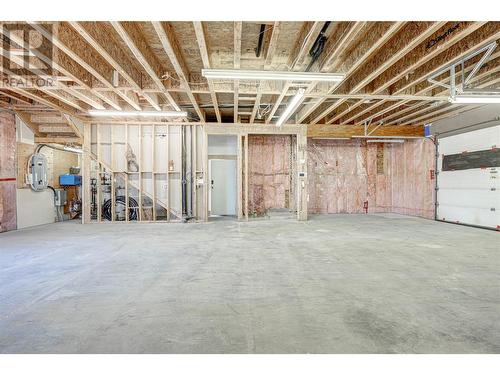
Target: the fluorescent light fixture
pixel 106 113
pixel 292 106
pixel 475 99
pixel 385 141
pixel 73 149
pixel 270 75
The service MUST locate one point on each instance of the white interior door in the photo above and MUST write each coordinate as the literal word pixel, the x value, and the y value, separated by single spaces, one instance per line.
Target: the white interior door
pixel 223 187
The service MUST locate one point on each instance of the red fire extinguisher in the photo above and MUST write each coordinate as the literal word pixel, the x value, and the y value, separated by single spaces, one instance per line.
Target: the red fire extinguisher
pixel 365 206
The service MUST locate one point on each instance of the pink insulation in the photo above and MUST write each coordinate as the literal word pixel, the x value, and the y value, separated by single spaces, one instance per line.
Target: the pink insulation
pixel 269 177
pixel 342 175
pixel 8 172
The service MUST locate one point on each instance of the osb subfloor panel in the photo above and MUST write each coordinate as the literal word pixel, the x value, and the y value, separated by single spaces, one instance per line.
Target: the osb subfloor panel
pixel 335 284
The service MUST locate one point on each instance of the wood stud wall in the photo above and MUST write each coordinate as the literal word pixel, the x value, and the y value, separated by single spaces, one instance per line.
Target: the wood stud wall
pixel 104 157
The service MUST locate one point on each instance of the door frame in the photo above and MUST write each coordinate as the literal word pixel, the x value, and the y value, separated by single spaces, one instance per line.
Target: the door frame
pixel 243 131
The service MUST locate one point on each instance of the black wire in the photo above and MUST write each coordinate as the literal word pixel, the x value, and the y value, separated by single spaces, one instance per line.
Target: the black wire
pixel 132 203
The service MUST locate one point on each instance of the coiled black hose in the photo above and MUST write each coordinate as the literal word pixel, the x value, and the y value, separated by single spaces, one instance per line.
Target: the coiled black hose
pixel 120 200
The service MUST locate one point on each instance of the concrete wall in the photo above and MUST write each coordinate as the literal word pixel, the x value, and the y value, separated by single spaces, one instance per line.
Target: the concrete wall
pixel 391 177
pixel 7 172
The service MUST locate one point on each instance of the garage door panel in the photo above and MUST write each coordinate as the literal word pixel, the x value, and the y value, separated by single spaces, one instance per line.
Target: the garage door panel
pixel 470 179
pixel 472 141
pixel 469 196
pixel 468 215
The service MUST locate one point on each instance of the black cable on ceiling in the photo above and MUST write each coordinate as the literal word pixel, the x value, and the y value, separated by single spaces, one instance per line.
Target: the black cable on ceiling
pixel 261 40
pixel 318 46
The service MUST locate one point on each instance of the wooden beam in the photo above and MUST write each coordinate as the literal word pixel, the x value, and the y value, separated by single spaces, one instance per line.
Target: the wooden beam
pixel 309 33
pixel 50 91
pixel 73 126
pixel 473 37
pixel 275 32
pixel 38 97
pixel 98 37
pixel 203 47
pixel 26 118
pixel 409 37
pixel 237 58
pixel 341 131
pixel 376 37
pixel 73 45
pixel 66 66
pixel 19 98
pixel 135 41
pixel 55 129
pixel 59 140
pixel 170 45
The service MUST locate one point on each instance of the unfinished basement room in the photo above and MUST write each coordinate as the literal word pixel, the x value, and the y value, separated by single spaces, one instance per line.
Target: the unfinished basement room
pixel 273 187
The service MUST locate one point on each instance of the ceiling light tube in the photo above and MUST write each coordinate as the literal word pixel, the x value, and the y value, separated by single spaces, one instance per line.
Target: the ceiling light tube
pixel 106 113
pixel 270 75
pixel 475 99
pixel 291 107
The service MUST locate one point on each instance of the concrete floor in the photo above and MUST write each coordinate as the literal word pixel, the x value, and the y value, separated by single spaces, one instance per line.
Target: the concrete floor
pixel 334 284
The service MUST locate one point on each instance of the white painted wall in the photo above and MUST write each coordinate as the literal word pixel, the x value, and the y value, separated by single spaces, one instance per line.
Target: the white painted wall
pixel 222 145
pixel 34 208
pixel 23 133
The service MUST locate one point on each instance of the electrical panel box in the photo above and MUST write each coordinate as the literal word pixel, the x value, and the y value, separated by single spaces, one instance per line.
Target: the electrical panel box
pixel 37 177
pixel 70 180
pixel 60 197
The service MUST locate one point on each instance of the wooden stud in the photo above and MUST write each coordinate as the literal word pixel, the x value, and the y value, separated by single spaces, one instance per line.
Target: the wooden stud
pixel 246 176
pixel 239 175
pixel 134 40
pixel 113 175
pixel 202 46
pixel 153 167
pixel 238 26
pixel 86 175
pixel 100 173
pixel 171 48
pixel 127 208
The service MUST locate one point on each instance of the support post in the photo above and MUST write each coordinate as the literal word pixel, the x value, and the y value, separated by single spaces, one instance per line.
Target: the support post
pixel 86 173
pixel 302 196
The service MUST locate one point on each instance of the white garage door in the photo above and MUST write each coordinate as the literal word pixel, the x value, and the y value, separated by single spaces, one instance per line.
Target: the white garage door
pixel 469 178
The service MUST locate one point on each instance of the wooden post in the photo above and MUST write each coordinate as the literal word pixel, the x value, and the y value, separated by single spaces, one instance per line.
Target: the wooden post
pixel 206 177
pixel 139 156
pixel 86 173
pixel 127 208
pixel 239 177
pixel 302 195
pixel 246 177
pixel 113 192
pixel 153 169
pixel 168 173
pixel 99 173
